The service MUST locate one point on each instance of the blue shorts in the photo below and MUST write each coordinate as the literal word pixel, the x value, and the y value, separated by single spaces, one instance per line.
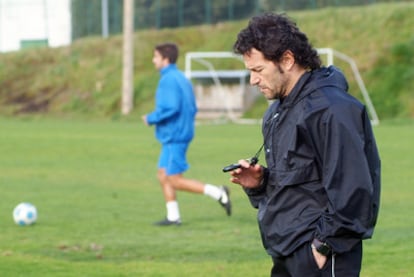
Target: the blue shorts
pixel 173 158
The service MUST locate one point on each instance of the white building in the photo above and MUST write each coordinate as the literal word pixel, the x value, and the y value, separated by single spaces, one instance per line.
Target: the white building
pixel 30 22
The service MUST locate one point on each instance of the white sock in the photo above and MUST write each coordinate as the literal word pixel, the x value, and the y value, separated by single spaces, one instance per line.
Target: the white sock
pixel 215 192
pixel 173 213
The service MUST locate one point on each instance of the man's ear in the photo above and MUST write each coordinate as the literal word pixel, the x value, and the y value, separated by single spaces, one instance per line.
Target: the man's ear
pixel 165 61
pixel 287 60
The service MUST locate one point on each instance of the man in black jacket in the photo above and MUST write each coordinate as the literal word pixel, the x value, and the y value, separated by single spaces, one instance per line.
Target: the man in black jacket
pixel 318 197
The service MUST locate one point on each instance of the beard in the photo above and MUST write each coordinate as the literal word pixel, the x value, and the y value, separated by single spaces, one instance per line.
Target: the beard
pixel 280 90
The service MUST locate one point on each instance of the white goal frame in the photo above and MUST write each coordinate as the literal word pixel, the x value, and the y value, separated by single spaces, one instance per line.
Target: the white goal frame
pixel 211 72
pixel 330 54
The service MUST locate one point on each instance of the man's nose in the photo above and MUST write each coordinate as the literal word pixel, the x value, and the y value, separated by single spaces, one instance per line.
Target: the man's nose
pixel 254 79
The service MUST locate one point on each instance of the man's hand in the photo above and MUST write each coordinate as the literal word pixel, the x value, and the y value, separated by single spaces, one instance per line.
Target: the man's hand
pixel 319 258
pixel 248 176
pixel 144 119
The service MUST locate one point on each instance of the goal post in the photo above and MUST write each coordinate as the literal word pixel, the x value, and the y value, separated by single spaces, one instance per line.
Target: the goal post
pixel 241 75
pixel 228 92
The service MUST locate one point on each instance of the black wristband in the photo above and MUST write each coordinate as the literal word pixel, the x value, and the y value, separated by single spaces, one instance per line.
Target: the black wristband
pixel 322 247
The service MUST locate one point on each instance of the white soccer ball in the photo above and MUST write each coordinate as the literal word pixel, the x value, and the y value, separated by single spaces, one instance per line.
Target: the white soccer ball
pixel 25 214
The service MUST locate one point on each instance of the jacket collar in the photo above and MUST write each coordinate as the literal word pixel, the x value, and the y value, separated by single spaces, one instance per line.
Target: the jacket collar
pixel 313 80
pixel 169 67
pixel 297 92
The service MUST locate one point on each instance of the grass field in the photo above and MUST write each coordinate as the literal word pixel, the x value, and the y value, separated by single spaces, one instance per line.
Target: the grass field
pixel 95 189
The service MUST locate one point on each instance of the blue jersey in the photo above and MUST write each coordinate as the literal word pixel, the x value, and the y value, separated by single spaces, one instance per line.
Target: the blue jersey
pixel 175 107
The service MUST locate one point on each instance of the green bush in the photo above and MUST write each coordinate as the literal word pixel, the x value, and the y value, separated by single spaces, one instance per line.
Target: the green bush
pixel 394 73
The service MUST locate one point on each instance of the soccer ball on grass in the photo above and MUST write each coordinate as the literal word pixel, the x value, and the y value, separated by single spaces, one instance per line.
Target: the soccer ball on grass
pixel 25 214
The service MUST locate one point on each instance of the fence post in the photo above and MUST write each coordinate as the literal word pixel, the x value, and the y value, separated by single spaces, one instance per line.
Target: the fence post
pixel 207 4
pixel 158 12
pixel 180 13
pixel 104 11
pixel 230 10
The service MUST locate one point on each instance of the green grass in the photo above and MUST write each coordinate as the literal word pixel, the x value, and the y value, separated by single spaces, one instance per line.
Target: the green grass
pixel 94 185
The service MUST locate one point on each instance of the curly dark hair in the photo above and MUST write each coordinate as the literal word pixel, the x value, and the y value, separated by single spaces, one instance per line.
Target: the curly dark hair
pixel 273 34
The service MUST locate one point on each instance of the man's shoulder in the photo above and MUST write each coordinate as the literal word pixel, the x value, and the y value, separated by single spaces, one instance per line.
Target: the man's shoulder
pixel 333 96
pixel 331 102
pixel 173 74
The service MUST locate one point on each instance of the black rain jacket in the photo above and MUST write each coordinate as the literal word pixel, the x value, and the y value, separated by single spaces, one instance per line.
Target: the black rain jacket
pixel 323 169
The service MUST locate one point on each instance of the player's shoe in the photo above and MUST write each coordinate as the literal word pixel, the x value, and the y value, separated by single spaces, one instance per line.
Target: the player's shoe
pixel 167 222
pixel 225 200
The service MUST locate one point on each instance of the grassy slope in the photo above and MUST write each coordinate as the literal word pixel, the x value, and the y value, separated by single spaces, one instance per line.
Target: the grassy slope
pixel 85 78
